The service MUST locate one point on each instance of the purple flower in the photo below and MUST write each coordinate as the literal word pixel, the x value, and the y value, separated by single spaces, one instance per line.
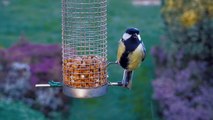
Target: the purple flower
pixel 45 63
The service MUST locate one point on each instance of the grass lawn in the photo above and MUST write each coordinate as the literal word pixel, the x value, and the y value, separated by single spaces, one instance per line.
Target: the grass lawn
pixel 18 111
pixel 40 21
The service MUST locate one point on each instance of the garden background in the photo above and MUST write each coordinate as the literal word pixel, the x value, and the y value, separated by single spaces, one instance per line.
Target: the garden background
pixel 30 37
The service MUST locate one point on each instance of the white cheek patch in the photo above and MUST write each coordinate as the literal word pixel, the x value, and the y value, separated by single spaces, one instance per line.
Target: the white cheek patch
pixel 139 37
pixel 126 36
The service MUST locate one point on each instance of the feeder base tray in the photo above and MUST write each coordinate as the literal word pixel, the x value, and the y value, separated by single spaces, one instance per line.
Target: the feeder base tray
pixel 84 93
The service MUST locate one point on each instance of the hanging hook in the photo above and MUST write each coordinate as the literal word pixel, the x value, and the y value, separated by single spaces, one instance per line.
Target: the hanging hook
pixel 119 83
pixel 127 78
pixel 111 63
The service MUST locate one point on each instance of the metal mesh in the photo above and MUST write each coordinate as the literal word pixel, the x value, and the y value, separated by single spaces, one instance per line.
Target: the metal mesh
pixel 84 42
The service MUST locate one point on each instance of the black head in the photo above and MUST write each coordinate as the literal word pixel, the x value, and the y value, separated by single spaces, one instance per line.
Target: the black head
pixel 131 39
pixel 131 34
pixel 132 31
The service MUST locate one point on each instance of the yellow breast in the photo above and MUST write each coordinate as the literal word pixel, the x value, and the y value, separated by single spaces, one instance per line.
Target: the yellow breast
pixel 135 58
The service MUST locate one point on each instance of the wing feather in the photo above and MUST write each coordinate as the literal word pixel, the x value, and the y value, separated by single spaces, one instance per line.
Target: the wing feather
pixel 121 49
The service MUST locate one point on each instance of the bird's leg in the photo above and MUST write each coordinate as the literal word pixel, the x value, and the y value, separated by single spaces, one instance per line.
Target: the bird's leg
pixel 127 79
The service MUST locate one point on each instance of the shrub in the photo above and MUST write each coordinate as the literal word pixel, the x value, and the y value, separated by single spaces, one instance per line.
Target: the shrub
pixel 25 64
pixel 184 61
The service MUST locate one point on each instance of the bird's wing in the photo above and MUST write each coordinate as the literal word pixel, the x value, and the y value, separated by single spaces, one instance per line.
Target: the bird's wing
pixel 143 52
pixel 121 49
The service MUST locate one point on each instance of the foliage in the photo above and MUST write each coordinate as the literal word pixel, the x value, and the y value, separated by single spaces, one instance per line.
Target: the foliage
pixel 184 66
pixel 190 26
pixel 25 64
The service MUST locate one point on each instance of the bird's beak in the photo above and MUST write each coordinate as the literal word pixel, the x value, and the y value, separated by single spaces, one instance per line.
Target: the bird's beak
pixel 135 36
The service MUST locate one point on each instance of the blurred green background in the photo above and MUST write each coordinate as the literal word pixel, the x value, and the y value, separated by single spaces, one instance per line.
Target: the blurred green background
pixel 40 22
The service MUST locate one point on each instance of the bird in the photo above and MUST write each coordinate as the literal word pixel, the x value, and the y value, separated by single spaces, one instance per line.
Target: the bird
pixel 130 54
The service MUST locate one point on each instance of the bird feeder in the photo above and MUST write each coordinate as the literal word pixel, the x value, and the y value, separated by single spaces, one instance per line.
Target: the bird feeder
pixel 84 48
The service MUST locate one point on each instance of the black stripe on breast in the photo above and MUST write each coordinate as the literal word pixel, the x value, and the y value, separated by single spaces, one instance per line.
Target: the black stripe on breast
pixel 124 60
pixel 131 44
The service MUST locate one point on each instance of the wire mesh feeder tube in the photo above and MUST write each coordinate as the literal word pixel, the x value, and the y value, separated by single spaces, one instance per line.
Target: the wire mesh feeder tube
pixel 84 42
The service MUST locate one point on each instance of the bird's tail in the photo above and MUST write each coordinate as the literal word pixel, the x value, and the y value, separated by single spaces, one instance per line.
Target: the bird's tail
pixel 127 79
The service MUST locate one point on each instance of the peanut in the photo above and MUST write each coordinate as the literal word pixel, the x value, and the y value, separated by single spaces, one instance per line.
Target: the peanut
pixel 85 72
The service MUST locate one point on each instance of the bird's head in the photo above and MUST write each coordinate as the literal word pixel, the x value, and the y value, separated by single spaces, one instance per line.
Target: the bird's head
pixel 132 33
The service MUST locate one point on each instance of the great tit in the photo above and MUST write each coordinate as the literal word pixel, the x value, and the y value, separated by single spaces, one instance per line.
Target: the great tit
pixel 131 52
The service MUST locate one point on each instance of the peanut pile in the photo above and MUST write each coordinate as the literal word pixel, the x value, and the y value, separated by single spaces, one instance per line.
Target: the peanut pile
pixel 85 72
